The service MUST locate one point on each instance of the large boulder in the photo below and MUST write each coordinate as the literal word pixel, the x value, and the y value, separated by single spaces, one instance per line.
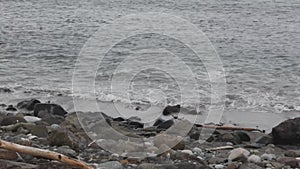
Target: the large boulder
pixel 45 108
pixel 28 104
pixel 287 132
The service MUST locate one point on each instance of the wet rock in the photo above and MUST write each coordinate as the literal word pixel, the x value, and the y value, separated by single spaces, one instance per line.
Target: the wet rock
pixel 8 155
pixel 166 124
pixel 175 142
pixel 254 159
pixel 135 124
pixel 158 121
pixel 264 140
pixel 9 120
pixel 238 154
pixel 48 109
pixel 119 119
pixel 5 90
pixel 290 161
pixel 28 104
pixel 10 108
pixel 287 132
pixel 171 110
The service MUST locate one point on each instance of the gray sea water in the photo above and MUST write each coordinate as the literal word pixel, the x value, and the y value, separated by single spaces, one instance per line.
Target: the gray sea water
pixel 257 41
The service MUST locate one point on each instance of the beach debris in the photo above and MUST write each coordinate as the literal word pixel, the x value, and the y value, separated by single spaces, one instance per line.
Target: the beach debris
pixel 43 153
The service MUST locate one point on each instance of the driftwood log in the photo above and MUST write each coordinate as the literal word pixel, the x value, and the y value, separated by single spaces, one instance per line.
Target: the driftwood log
pixel 229 128
pixel 43 153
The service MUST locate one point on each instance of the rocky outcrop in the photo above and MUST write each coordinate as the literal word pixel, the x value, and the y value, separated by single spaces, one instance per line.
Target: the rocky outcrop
pixel 46 108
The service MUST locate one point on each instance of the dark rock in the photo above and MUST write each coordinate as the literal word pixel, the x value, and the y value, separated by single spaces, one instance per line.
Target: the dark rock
pixel 287 132
pixel 135 124
pixel 119 119
pixel 28 104
pixel 5 90
pixel 52 119
pixel 243 136
pixel 166 124
pixel 229 137
pixel 249 166
pixel 3 105
pixel 171 110
pixel 10 108
pixel 158 121
pixel 265 140
pixel 49 108
pixel 12 120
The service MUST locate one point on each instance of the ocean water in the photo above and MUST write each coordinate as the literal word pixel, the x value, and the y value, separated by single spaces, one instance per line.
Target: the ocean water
pixel 257 41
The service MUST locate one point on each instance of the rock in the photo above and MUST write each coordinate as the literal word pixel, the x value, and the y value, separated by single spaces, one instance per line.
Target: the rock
pixel 10 108
pixel 111 165
pixel 118 119
pixel 12 120
pixel 175 142
pixel 292 153
pixel 39 130
pixel 197 150
pixel 135 124
pixel 287 132
pixel 171 110
pixel 158 121
pixel 66 150
pixel 32 119
pixel 249 166
pixel 238 154
pixel 189 152
pixel 48 109
pixel 186 165
pixel 242 135
pixel 265 140
pixel 52 119
pixel 254 159
pixel 8 155
pixel 165 125
pixel 27 104
pixel 156 166
pixel 62 137
pixel 219 166
pixel 5 90
pixel 233 166
pixel 292 162
pixel 229 137
pixel 216 160
pixel 268 157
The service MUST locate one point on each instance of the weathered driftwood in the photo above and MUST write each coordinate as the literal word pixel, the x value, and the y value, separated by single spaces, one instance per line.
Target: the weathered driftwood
pixel 43 153
pixel 228 128
pixel 220 148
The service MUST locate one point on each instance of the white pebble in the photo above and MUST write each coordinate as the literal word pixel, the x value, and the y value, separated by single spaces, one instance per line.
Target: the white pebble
pixel 187 152
pixel 219 166
pixel 268 157
pixel 254 159
pixel 197 150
